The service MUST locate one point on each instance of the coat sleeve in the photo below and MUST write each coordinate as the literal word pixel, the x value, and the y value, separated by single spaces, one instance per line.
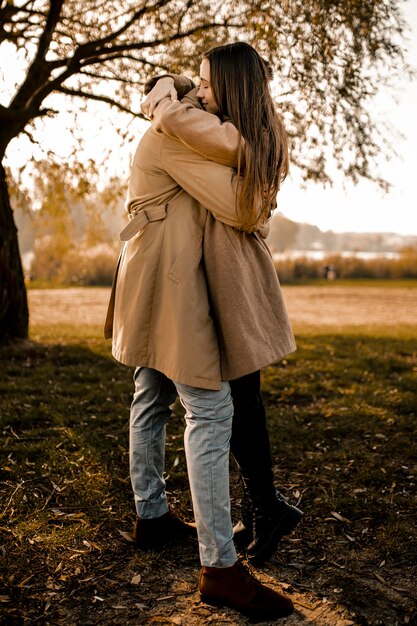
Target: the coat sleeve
pixel 213 185
pixel 197 129
pixel 181 83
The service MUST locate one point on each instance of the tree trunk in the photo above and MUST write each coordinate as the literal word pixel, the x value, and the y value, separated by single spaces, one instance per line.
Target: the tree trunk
pixel 14 313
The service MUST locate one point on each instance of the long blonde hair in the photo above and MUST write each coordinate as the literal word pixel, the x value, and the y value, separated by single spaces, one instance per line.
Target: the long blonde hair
pixel 239 80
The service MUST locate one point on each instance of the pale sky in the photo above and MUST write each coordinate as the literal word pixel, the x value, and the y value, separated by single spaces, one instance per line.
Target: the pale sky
pixel 361 208
pixel 364 207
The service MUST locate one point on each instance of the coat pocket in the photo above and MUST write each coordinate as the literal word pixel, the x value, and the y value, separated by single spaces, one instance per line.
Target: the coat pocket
pixel 188 258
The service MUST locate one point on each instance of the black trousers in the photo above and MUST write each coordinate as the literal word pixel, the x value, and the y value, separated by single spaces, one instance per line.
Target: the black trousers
pixel 250 438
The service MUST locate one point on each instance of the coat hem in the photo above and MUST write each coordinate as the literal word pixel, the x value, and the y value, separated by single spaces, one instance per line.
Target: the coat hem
pixel 182 378
pixel 234 373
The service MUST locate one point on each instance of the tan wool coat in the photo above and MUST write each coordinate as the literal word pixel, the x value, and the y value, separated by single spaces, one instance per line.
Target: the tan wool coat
pixel 161 309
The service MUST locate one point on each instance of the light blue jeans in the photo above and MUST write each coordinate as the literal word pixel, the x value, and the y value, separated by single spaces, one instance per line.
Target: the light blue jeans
pixel 206 441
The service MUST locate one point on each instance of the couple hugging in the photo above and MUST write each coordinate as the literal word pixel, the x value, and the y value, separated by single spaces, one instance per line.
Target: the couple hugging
pixel 197 309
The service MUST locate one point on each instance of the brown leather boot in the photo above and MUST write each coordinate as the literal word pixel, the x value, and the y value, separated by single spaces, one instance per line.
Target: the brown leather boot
pixel 236 587
pixel 154 533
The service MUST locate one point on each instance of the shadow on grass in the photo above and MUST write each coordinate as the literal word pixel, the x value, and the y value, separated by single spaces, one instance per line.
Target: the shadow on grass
pixel 342 415
pixel 342 419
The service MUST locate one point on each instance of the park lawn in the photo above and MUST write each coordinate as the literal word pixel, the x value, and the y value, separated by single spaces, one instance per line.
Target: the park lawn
pixel 342 414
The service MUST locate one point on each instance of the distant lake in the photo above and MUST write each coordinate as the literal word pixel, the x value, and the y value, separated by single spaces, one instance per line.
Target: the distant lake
pixel 318 255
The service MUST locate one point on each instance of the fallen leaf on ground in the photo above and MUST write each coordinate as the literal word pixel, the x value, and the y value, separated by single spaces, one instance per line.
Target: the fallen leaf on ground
pixel 340 517
pixel 126 536
pixel 381 580
pixel 105 569
pixel 136 579
pixel 165 620
pixel 25 581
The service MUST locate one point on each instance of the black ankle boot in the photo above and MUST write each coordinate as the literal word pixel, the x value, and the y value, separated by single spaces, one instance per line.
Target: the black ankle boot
pixel 243 530
pixel 271 521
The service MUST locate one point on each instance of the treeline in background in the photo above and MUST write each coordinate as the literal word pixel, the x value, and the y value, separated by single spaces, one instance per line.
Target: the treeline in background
pixel 341 266
pixel 69 223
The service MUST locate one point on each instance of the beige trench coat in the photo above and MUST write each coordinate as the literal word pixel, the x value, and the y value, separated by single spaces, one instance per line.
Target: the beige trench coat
pixel 160 313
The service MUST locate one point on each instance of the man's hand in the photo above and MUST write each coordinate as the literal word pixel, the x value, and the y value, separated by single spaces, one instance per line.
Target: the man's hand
pixel 164 88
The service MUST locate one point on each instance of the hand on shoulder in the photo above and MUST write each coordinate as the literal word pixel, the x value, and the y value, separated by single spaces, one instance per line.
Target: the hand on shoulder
pixel 164 88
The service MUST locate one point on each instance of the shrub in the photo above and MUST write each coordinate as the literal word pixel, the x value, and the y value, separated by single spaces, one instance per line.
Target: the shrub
pixel 73 265
pixel 294 269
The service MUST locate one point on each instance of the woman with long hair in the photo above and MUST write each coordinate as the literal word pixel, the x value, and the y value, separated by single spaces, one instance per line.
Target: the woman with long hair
pixel 235 86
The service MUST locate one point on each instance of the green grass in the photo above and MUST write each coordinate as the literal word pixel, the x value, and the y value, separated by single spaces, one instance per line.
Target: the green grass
pixel 342 414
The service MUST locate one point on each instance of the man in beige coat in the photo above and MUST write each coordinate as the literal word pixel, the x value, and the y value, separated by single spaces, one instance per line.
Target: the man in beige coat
pixel 251 320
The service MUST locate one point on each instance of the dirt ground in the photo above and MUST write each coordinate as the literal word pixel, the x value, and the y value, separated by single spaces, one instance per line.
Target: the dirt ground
pixel 337 581
pixel 344 306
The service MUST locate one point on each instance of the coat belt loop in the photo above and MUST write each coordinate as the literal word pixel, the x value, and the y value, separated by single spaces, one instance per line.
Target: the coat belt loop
pixel 142 218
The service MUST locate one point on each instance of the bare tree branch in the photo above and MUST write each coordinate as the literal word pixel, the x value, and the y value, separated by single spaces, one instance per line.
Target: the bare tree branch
pixel 321 52
pixel 78 93
pixel 84 49
pixel 38 70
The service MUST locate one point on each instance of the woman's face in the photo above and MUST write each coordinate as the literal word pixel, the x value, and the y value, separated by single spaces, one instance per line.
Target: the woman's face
pixel 205 92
